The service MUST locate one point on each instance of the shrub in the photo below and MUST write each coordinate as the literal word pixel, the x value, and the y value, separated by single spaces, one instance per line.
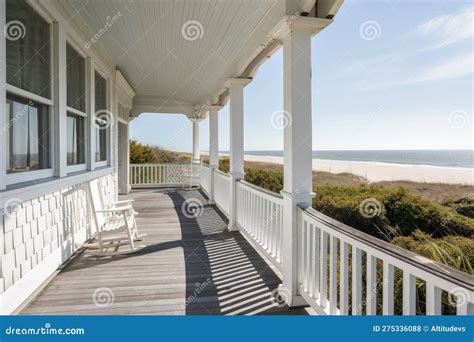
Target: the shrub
pixel 455 251
pixel 141 154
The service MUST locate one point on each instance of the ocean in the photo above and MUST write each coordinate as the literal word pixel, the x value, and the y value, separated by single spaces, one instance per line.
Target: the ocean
pixel 441 158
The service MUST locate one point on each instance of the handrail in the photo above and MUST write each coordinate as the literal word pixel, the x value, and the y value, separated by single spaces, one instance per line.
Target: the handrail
pixel 265 191
pixel 162 164
pixel 448 273
pixel 221 173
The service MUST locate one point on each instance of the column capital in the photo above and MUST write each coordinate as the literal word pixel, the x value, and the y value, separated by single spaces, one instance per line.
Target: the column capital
pixel 237 82
pixel 195 120
pixel 214 108
pixel 298 23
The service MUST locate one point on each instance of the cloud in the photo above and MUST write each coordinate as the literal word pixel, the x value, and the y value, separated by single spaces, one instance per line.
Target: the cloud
pixel 455 67
pixel 449 29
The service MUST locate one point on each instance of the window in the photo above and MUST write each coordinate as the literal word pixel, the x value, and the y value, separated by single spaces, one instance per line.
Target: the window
pixel 27 135
pixel 75 140
pixel 102 118
pixel 101 141
pixel 76 80
pixel 27 49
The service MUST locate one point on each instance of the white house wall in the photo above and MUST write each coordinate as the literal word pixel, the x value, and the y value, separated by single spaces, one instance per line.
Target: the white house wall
pixel 44 221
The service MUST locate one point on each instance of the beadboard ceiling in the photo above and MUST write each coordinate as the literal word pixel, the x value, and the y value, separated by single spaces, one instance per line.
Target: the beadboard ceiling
pixel 147 43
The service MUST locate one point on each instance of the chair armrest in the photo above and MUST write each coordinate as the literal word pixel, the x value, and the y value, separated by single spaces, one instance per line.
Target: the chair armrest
pixel 119 202
pixel 115 210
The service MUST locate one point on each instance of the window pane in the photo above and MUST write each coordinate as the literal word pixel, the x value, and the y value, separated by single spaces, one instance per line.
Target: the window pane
pixel 28 135
pixel 100 92
pixel 27 49
pixel 101 141
pixel 76 80
pixel 75 140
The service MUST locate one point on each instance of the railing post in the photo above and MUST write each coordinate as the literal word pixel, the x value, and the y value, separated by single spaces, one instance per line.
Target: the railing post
pixel 297 156
pixel 236 89
pixel 213 147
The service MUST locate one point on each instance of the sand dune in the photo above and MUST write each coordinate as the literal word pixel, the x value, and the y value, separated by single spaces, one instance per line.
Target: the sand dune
pixel 377 172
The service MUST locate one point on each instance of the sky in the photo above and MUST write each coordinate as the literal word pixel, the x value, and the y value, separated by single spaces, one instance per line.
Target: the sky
pixel 386 74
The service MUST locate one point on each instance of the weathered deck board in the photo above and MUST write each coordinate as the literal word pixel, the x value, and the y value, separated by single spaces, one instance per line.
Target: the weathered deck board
pixel 189 266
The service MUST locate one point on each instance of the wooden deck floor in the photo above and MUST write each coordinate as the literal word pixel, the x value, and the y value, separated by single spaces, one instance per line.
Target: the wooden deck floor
pixel 190 266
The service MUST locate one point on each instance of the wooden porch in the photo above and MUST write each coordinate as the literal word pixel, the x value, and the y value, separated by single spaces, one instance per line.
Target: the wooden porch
pixel 190 266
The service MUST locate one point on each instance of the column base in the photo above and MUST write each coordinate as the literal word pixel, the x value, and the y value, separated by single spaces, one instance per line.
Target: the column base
pixel 232 227
pixel 291 300
pixel 196 161
pixel 211 202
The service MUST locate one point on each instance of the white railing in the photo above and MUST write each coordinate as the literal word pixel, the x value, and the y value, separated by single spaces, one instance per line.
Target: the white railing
pixel 260 217
pixel 326 243
pixel 206 173
pixel 150 175
pixel 221 190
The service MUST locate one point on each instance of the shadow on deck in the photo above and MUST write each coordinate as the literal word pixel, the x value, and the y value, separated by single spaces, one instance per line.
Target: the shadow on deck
pixel 190 266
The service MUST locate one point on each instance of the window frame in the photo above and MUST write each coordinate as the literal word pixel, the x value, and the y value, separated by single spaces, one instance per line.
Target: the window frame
pixel 28 176
pixel 102 163
pixel 83 166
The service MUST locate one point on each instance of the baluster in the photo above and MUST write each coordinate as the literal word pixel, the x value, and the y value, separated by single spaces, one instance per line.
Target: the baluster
pixel 316 242
pixel 323 277
pixel 356 281
pixel 344 278
pixel 371 308
pixel 409 293
pixel 312 255
pixel 433 299
pixel 308 256
pixel 388 271
pixel 333 276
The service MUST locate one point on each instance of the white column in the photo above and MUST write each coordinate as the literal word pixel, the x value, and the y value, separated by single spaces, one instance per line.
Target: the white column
pixel 196 149
pixel 213 146
pixel 124 158
pixel 60 93
pixel 236 106
pixel 90 103
pixel 297 154
pixel 4 116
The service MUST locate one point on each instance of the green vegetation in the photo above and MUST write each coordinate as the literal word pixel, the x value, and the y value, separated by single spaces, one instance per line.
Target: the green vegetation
pixel 141 154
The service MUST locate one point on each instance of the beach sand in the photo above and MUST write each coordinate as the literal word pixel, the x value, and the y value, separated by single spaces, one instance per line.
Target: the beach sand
pixel 379 172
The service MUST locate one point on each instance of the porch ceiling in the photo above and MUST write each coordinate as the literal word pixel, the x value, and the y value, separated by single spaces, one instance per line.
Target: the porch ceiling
pixel 168 66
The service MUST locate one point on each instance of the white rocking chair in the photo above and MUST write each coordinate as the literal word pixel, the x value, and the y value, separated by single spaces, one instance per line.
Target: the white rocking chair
pixel 116 226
